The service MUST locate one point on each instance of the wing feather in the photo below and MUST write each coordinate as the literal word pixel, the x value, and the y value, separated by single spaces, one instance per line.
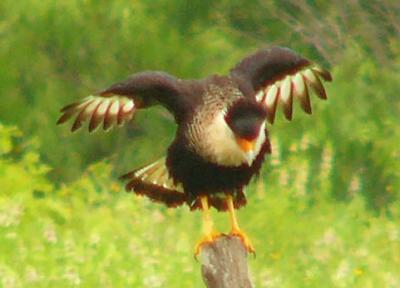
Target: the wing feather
pixel 98 114
pixel 301 91
pixel 295 85
pixel 312 79
pixel 111 114
pixel 125 112
pixel 98 109
pixel 279 75
pixel 286 97
pixel 118 103
pixel 271 100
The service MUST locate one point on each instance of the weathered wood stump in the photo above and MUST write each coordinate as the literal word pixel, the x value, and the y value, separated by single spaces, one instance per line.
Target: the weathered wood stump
pixel 224 264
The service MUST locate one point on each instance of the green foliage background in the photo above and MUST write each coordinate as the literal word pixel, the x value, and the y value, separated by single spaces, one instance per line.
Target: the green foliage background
pixel 325 211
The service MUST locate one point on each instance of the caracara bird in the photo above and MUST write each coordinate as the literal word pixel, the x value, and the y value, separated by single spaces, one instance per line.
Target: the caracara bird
pixel 221 138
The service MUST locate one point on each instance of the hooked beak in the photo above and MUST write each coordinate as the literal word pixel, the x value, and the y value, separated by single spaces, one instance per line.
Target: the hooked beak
pixel 247 146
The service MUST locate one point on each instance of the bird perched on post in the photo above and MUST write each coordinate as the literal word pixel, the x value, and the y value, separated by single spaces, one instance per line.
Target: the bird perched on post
pixel 221 138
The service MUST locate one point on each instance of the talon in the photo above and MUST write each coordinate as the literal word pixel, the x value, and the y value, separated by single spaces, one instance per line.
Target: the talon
pixel 245 239
pixel 208 239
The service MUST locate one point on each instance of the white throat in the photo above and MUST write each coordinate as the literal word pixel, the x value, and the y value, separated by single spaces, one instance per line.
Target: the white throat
pixel 224 147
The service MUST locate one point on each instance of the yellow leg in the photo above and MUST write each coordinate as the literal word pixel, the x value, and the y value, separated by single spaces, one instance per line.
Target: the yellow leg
pixel 208 226
pixel 236 231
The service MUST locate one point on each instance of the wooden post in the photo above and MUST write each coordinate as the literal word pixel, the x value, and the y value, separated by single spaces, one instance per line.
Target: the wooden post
pixel 224 264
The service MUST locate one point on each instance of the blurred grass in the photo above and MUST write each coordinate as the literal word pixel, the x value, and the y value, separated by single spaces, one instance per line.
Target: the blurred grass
pixel 90 233
pixel 324 212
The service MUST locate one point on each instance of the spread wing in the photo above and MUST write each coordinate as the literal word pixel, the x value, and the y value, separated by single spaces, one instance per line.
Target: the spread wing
pixel 118 103
pixel 279 75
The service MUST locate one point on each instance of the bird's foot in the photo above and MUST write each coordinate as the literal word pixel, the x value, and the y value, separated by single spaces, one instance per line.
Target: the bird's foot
pixel 245 239
pixel 207 239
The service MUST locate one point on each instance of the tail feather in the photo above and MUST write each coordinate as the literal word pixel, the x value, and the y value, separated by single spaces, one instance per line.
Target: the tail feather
pixel 171 198
pixel 155 182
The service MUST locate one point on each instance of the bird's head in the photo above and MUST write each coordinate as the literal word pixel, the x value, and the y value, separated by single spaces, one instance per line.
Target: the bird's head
pixel 246 119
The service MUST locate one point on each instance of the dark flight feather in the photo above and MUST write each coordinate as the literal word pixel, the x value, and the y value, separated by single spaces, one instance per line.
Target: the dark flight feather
pixel 268 65
pixel 151 88
pixel 278 75
pixel 118 103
